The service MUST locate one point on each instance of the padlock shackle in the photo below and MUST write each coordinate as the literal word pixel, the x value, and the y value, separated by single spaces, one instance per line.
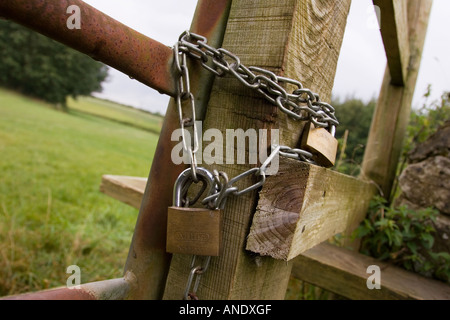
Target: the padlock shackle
pixel 185 180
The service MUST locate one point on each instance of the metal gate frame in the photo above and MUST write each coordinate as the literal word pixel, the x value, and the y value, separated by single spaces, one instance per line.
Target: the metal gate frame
pixel 150 62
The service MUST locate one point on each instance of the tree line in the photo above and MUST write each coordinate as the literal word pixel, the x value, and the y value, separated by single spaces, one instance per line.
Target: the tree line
pixel 355 117
pixel 43 68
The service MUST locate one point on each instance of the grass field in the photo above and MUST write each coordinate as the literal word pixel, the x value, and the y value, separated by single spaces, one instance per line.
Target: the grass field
pixel 52 214
pixel 113 111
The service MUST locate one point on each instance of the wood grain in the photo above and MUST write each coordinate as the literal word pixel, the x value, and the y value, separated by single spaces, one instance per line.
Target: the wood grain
pixel 297 39
pixel 303 206
pixel 126 189
pixel 344 272
pixel 393 108
pixel 395 34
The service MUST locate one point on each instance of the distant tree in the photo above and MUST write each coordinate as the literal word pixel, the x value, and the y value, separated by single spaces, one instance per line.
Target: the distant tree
pixel 43 68
pixel 355 116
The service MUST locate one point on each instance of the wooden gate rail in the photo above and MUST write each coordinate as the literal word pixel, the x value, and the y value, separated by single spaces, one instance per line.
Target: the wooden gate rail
pixel 338 270
pixel 394 28
pixel 344 272
pixel 393 108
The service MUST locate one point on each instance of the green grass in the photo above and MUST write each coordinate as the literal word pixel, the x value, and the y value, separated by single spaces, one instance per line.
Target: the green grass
pixel 116 112
pixel 52 214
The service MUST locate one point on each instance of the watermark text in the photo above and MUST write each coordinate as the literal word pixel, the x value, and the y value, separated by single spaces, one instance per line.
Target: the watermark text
pixel 374 281
pixel 74 281
pixel 74 21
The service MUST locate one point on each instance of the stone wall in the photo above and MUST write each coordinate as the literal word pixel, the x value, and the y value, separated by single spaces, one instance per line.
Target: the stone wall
pixel 425 182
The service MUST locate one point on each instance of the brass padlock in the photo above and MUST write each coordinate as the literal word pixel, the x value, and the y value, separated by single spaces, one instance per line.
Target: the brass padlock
pixel 321 143
pixel 193 231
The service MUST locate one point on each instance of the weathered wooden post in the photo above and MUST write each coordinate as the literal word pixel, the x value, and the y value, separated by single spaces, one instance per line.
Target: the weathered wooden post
pixel 293 38
pixel 404 48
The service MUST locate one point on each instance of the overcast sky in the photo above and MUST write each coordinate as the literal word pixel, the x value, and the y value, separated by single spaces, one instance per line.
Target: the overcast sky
pixel 361 64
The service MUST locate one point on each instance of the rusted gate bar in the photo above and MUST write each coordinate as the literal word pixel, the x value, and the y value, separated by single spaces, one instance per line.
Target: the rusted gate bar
pixel 147 258
pixel 149 62
pixel 100 37
pixel 115 289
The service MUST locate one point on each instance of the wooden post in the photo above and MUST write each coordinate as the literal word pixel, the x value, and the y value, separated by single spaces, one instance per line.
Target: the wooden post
pixel 394 106
pixel 297 39
pixel 394 27
pixel 303 206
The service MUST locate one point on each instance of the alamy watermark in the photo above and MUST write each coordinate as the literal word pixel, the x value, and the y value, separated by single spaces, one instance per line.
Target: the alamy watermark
pixel 74 281
pixel 374 281
pixel 234 146
pixel 74 21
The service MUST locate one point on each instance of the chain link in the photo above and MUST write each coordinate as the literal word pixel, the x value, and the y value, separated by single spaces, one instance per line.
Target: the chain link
pixel 260 173
pixel 184 94
pixel 302 105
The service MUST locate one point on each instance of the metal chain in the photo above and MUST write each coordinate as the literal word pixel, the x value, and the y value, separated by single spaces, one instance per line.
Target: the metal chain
pixel 184 94
pixel 302 105
pixel 260 173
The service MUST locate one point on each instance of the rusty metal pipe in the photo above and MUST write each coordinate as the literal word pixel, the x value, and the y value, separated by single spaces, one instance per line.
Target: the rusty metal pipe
pixel 147 257
pixel 100 37
pixel 115 289
pixel 149 62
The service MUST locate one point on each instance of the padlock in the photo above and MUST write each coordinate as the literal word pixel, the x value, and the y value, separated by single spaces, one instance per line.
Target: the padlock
pixel 321 143
pixel 193 231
